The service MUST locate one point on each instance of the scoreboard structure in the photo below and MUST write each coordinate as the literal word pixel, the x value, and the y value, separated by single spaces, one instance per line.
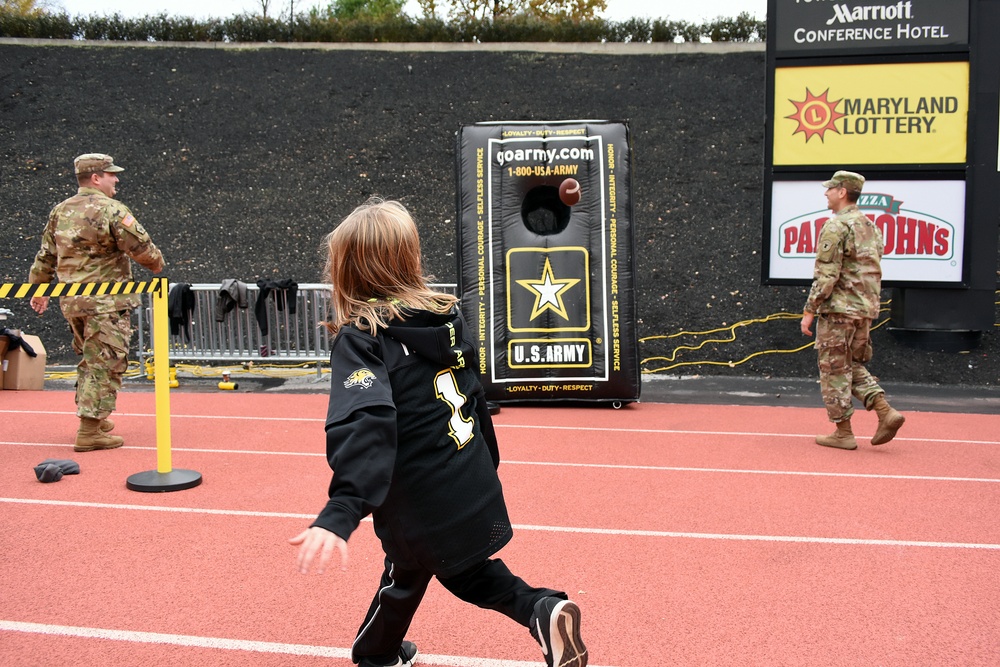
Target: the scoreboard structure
pixel 905 93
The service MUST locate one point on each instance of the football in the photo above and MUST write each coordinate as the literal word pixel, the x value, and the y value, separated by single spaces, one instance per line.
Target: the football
pixel 569 191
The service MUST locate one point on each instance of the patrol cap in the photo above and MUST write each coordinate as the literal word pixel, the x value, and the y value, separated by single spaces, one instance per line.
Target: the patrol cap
pixel 93 163
pixel 846 179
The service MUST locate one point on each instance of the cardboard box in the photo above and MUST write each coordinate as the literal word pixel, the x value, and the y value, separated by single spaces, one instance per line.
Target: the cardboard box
pixel 22 372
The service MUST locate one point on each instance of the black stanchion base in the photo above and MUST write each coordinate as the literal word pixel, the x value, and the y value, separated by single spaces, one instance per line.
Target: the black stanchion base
pixel 153 481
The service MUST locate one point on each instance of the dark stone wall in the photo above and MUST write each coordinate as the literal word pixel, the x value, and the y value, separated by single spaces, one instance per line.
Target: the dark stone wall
pixel 239 161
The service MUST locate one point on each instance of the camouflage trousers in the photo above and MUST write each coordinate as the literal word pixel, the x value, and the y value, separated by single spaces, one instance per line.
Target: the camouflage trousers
pixel 102 342
pixel 843 345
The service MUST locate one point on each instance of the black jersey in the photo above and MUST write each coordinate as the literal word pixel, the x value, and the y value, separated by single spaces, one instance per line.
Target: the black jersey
pixel 411 441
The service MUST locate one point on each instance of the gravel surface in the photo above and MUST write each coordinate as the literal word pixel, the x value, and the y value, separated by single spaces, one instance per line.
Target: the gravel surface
pixel 240 161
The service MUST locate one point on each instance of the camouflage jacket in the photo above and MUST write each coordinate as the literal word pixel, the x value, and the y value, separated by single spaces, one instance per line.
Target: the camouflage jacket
pixel 89 238
pixel 847 277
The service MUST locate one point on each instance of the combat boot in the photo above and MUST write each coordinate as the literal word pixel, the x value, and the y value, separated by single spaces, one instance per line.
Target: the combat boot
pixel 107 425
pixel 842 438
pixel 889 420
pixel 91 437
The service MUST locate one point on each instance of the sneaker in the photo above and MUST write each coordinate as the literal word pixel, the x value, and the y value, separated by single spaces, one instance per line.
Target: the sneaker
pixel 556 626
pixel 407 657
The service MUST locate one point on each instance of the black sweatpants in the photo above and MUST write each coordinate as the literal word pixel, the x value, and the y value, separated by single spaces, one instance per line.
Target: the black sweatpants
pixel 489 585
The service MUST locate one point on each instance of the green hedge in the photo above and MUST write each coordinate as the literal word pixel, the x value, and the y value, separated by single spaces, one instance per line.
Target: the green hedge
pixel 248 28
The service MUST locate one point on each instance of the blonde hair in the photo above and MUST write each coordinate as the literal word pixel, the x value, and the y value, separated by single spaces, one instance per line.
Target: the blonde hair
pixel 373 265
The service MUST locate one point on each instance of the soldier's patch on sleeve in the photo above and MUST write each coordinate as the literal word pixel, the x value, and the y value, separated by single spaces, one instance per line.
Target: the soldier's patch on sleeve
pixel 132 226
pixel 826 251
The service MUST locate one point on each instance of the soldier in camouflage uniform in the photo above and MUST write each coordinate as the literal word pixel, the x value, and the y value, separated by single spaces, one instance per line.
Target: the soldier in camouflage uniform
pixel 847 283
pixel 89 238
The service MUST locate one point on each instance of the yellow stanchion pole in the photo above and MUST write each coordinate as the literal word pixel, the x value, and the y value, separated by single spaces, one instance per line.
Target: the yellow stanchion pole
pixel 164 478
pixel 161 367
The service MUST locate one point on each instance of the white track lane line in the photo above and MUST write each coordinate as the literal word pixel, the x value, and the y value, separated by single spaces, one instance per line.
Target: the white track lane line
pixel 317 420
pixel 655 431
pixel 563 464
pixel 543 529
pixel 240 644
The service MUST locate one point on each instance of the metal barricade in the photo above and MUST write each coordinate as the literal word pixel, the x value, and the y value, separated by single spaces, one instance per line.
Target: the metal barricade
pixel 295 332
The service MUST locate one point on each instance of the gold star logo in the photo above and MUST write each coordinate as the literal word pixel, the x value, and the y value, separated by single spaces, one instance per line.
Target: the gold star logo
pixel 548 292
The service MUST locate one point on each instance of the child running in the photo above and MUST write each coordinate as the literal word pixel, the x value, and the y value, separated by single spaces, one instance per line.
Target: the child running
pixel 411 442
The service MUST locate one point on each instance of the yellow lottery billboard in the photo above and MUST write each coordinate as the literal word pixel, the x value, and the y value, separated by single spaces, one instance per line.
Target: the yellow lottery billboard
pixel 907 113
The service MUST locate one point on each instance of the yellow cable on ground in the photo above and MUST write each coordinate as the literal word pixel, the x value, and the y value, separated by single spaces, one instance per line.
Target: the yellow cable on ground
pixel 249 368
pixel 773 316
pixel 728 363
pixel 134 370
pixel 732 330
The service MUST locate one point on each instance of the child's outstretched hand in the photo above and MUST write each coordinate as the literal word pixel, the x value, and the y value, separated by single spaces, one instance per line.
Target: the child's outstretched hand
pixel 318 541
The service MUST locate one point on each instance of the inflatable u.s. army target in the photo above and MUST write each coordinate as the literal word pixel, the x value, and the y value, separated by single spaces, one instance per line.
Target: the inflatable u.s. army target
pixel 546 271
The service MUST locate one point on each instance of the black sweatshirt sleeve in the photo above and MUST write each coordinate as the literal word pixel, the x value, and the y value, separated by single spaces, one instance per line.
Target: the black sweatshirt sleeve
pixel 361 450
pixel 360 432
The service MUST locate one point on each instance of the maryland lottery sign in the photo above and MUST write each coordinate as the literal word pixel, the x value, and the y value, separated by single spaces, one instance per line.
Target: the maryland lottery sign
pixel 871 114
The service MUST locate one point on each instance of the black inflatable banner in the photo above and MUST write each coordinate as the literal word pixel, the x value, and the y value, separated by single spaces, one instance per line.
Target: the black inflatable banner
pixel 546 251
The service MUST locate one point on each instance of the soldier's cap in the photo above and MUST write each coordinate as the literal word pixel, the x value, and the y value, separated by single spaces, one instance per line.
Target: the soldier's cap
pixel 94 163
pixel 846 179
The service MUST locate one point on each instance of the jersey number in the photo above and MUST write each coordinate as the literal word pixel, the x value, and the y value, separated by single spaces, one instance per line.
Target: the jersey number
pixel 446 389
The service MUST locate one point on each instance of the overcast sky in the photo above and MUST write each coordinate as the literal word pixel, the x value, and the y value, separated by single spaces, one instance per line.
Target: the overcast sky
pixel 694 11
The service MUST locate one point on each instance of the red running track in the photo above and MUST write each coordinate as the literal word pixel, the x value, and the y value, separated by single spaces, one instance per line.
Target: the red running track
pixel 689 535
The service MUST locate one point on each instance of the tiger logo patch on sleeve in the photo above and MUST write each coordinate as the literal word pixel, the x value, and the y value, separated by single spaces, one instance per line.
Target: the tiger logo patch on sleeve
pixel 362 377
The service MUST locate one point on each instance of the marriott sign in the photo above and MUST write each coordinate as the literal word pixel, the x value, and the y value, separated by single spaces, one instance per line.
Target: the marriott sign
pixel 836 25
